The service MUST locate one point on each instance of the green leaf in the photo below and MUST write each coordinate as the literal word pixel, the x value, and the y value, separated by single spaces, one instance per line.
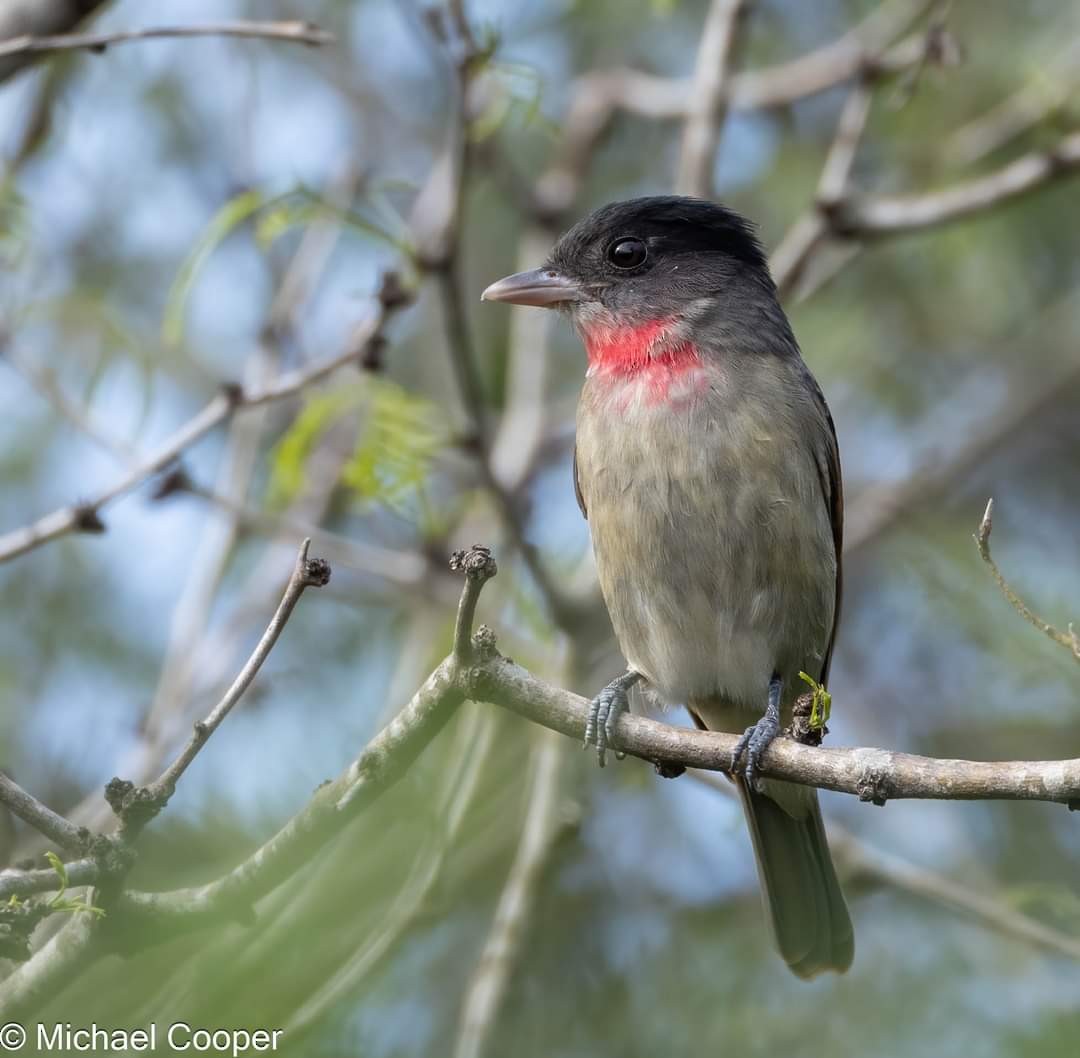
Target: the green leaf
pixel 57 865
pixel 396 446
pixel 288 461
pixel 820 703
pixel 237 210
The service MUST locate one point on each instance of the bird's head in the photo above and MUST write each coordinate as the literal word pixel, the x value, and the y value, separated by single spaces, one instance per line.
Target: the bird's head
pixel 637 277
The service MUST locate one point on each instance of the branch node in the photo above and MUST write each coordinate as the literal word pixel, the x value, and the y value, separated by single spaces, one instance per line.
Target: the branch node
pixel 233 393
pixel 393 293
pixel 484 644
pixel 134 805
pixel 801 730
pixel 667 770
pixel 174 480
pixel 87 520
pixel 316 572
pixel 873 785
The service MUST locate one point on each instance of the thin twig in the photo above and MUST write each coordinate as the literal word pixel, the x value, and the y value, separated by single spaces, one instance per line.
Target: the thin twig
pixel 1069 640
pixel 307 573
pixel 85 517
pixel 479 567
pixel 708 100
pixel 295 31
pixel 42 818
pixel 809 233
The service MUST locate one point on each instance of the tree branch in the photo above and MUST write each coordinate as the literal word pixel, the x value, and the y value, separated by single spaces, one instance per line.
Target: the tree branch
pixel 85 517
pixel 876 775
pixel 296 31
pixel 873 216
pixel 307 573
pixel 42 818
pixel 708 98
pixel 597 97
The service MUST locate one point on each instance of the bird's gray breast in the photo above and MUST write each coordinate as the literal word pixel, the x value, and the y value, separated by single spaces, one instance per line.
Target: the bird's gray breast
pixel 712 538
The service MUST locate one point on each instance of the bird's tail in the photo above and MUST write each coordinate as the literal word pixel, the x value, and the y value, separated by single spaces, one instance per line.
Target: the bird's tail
pixel 803 901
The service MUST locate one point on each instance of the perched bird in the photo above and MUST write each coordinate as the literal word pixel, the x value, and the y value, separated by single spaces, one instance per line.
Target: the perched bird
pixel 707 466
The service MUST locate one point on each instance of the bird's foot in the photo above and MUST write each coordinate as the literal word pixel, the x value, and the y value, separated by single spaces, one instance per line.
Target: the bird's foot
pixel 758 737
pixel 604 711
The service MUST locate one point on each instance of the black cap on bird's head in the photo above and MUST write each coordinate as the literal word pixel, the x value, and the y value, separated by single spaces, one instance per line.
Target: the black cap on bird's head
pixel 643 258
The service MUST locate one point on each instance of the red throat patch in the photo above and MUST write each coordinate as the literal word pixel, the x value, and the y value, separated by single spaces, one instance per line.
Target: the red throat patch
pixel 641 352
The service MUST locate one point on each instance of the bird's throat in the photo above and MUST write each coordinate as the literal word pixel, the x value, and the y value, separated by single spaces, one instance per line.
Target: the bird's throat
pixel 649 352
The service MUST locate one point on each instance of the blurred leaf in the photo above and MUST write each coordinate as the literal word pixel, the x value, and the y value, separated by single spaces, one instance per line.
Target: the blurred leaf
pixel 301 206
pixel 393 453
pixel 237 210
pixel 395 449
pixel 14 225
pixel 290 455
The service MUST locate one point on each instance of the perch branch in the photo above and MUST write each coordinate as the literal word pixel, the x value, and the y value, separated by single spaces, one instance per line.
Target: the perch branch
pixel 874 775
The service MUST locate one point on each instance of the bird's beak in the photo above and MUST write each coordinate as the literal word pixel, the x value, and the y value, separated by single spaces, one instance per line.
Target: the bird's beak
pixel 541 286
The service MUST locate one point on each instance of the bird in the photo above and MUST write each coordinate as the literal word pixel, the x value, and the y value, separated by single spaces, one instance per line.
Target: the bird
pixel 707 467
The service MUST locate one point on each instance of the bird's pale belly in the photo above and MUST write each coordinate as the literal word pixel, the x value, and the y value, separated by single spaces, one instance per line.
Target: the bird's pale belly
pixel 713 548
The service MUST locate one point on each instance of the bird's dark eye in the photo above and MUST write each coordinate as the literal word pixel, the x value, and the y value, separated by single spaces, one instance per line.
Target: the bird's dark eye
pixel 627 253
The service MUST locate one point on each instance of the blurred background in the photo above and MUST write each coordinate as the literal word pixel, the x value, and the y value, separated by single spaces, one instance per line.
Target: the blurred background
pixel 177 214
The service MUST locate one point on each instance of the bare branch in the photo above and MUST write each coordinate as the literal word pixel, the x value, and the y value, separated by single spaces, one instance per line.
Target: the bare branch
pixel 28 808
pixel 864 50
pixel 1043 96
pixel 85 516
pixel 873 216
pixel 15 882
pixel 874 775
pixel 811 230
pixel 60 961
pixel 479 567
pixel 381 763
pixel 1069 640
pixel 708 99
pixel 596 97
pixel 307 573
pixel 296 31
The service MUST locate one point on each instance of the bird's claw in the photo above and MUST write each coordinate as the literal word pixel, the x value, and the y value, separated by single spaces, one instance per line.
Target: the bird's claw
pixel 757 738
pixel 604 712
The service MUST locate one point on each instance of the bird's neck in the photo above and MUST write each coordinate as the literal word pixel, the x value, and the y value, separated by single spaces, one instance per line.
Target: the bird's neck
pixel 653 347
pixel 648 364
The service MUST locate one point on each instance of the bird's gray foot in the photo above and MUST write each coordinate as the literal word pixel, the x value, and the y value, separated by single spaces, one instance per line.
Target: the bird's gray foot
pixel 604 710
pixel 758 737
